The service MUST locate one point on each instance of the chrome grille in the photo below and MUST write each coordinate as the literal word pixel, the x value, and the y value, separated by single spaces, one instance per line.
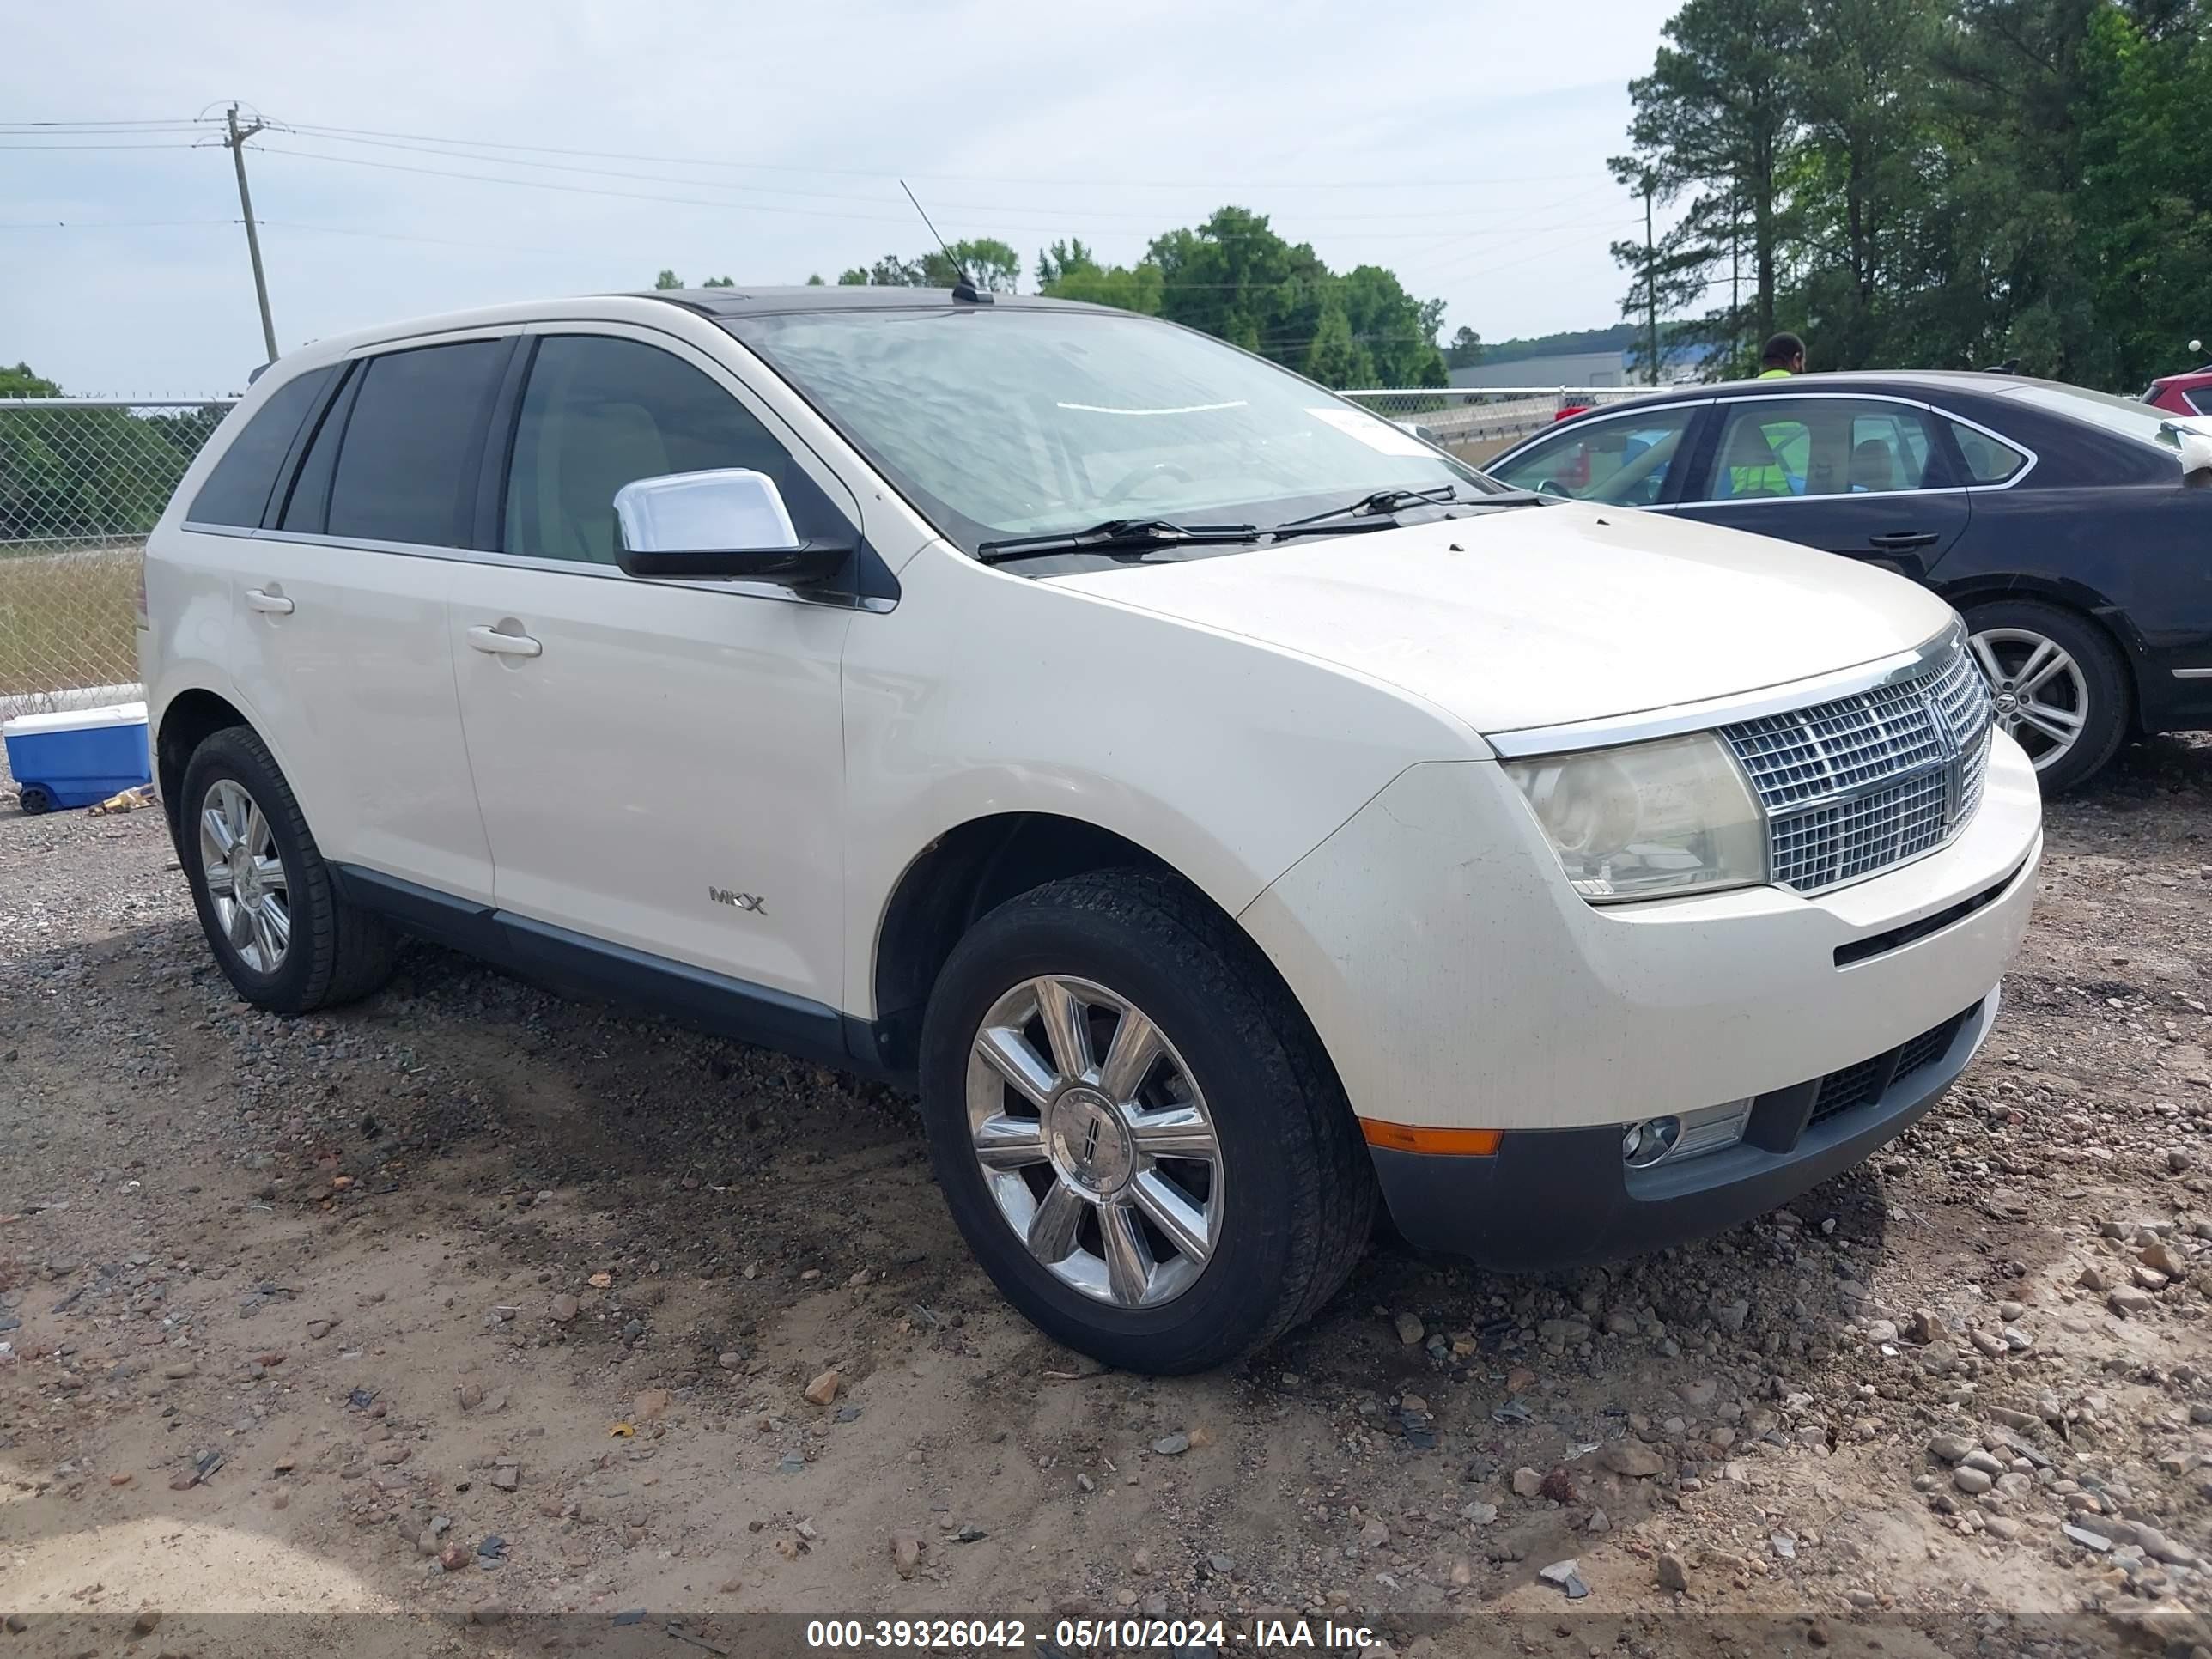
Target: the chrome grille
pixel 1856 785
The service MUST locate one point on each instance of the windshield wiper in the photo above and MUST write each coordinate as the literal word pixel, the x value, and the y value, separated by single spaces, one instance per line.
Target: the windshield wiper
pixel 1381 502
pixel 1115 533
pixel 1378 511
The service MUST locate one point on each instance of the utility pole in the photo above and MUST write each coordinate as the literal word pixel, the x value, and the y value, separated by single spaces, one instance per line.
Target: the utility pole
pixel 1651 284
pixel 1736 279
pixel 236 144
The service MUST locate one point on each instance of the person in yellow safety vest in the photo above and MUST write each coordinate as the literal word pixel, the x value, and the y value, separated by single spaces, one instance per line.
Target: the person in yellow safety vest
pixel 1784 355
pixel 1752 469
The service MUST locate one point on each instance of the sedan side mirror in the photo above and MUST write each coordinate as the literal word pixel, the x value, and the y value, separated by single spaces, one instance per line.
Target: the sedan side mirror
pixel 729 523
pixel 2193 438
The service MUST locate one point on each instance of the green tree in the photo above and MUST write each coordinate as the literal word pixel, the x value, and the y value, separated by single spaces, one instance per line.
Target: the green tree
pixel 889 271
pixel 2148 199
pixel 1465 350
pixel 1235 278
pixel 47 491
pixel 667 279
pixel 1231 277
pixel 993 265
pixel 718 281
pixel 1336 359
pixel 1713 123
pixel 815 280
pixel 1061 258
pixel 2016 77
pixel 1858 179
pixel 21 382
pixel 1397 332
pixel 1136 287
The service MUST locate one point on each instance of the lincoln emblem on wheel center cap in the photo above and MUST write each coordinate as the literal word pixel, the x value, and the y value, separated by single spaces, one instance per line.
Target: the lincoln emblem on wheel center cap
pixel 1091 1144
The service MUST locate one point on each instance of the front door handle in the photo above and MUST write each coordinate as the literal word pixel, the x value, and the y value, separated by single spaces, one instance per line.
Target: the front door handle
pixel 494 642
pixel 1904 541
pixel 274 604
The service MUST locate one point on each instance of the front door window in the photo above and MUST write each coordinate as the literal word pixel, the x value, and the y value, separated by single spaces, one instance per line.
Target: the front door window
pixel 1622 461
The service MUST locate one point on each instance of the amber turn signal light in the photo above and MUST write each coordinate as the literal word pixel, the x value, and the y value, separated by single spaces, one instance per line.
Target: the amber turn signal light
pixel 1408 1137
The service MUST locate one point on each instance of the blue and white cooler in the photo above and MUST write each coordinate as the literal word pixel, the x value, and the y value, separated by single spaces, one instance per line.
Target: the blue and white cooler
pixel 77 756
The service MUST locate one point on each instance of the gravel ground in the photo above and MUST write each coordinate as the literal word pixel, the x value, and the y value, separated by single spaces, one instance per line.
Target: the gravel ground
pixel 469 1298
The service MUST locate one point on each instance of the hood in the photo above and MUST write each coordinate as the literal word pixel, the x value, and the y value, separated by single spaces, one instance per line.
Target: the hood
pixel 1541 616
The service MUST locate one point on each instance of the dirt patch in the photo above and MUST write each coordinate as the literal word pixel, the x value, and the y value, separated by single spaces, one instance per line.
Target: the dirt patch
pixel 471 1297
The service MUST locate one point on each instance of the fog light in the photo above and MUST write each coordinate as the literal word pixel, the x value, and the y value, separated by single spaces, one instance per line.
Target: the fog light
pixel 1642 1144
pixel 1713 1129
pixel 1660 1139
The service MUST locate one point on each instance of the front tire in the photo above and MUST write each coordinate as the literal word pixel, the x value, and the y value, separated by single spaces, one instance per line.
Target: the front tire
pixel 1136 1130
pixel 264 896
pixel 2060 685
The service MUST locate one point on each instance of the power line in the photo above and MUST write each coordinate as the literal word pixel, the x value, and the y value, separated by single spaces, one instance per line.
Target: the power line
pixel 165 143
pixel 1458 269
pixel 1457 183
pixel 446 151
pixel 159 121
pixel 277 224
pixel 1053 219
pixel 579 190
pixel 111 224
pixel 403 236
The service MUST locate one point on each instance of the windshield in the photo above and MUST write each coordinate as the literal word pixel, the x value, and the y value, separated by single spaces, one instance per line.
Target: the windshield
pixel 2124 415
pixel 1002 422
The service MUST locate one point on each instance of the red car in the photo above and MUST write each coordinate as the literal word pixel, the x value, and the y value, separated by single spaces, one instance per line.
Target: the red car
pixel 2184 394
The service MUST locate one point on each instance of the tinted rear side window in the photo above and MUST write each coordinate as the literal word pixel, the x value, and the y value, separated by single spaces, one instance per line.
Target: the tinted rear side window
pixel 237 491
pixel 407 471
pixel 1987 461
pixel 310 498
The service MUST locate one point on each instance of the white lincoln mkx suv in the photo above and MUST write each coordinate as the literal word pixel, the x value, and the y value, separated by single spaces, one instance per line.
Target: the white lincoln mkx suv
pixel 1224 806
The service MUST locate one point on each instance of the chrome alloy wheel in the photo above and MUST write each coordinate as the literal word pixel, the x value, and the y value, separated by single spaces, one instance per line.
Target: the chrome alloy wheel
pixel 1095 1141
pixel 2040 693
pixel 245 875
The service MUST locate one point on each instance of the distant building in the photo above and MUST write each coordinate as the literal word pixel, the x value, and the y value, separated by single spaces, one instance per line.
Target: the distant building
pixel 1583 368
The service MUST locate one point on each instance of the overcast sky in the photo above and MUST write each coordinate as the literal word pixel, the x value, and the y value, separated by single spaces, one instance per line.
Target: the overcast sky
pixel 1461 142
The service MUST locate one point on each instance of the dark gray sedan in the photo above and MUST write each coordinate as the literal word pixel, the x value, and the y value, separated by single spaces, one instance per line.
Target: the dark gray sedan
pixel 2057 520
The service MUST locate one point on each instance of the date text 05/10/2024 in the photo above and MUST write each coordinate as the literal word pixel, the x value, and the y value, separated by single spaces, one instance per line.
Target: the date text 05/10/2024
pixel 1113 1635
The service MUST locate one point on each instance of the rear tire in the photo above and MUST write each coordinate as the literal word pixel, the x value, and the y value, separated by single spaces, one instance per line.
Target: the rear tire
pixel 2067 683
pixel 34 799
pixel 272 914
pixel 1268 1196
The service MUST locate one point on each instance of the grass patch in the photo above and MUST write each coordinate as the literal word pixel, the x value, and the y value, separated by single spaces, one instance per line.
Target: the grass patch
pixel 67 620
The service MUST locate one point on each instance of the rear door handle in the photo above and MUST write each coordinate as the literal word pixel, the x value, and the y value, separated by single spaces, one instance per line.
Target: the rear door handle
pixel 274 604
pixel 1902 541
pixel 491 641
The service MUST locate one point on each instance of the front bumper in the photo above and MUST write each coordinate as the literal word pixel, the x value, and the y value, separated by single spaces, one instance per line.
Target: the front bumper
pixel 1458 983
pixel 1562 1198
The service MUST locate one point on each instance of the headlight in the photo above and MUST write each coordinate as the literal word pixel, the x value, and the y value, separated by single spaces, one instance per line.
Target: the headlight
pixel 1649 820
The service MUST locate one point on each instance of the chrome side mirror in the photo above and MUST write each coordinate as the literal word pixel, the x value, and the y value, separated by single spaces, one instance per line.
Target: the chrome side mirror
pixel 728 523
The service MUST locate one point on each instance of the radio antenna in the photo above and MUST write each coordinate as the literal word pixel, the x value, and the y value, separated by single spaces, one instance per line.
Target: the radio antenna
pixel 965 289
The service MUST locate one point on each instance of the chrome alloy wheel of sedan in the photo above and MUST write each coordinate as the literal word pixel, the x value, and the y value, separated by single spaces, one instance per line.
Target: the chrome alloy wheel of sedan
pixel 244 876
pixel 1095 1141
pixel 2040 693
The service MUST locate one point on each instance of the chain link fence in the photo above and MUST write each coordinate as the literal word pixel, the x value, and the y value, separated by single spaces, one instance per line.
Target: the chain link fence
pixel 1477 422
pixel 81 482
